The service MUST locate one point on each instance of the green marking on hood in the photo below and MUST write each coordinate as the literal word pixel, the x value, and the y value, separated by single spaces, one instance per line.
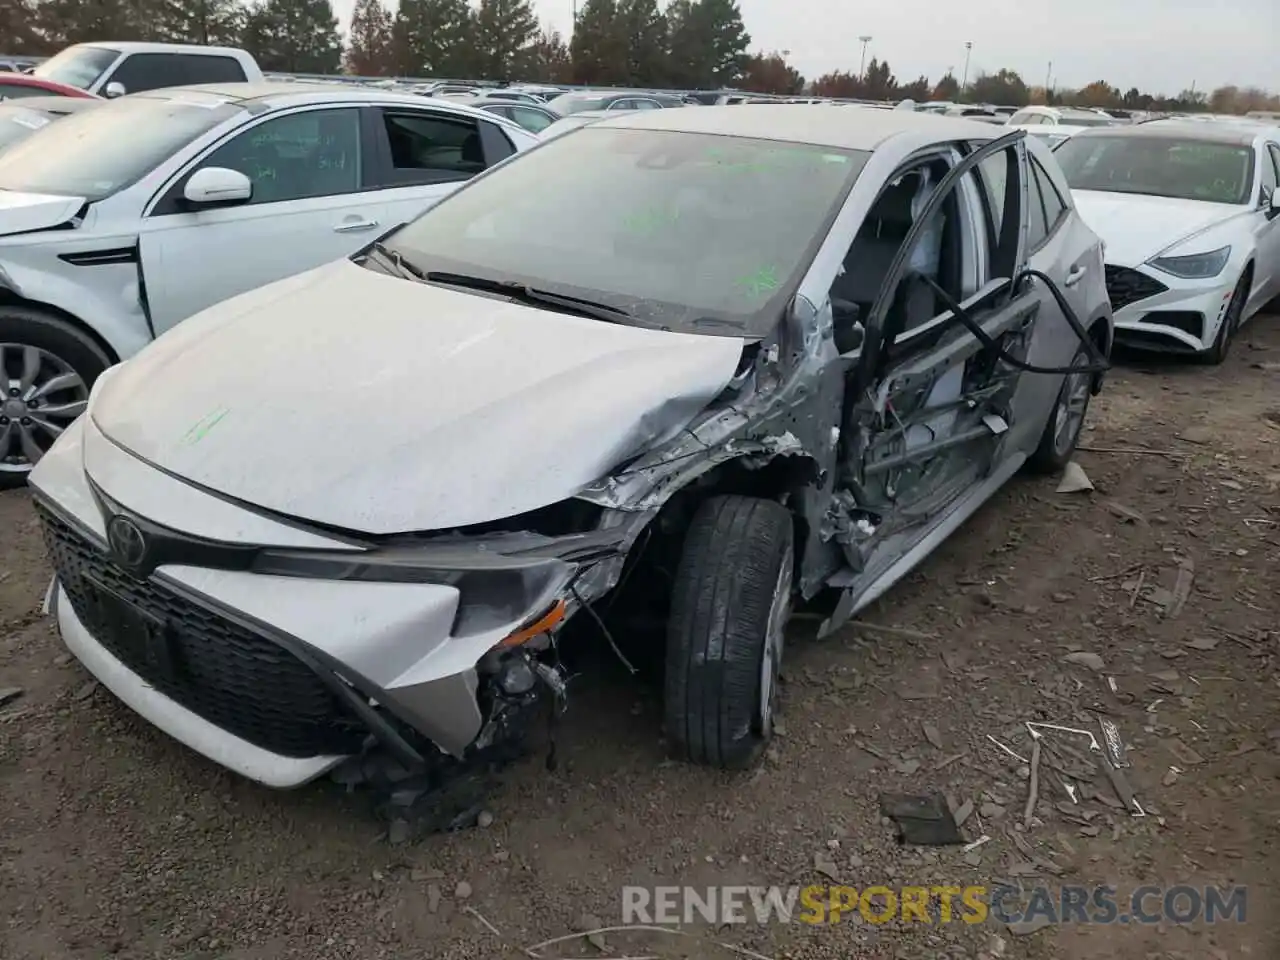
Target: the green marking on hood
pixel 200 429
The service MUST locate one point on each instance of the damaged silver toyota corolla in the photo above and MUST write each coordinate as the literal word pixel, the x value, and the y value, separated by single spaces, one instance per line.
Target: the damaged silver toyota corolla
pixel 765 351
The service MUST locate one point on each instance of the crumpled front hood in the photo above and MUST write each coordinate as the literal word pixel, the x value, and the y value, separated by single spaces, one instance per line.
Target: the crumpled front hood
pixel 375 404
pixel 1136 228
pixel 24 212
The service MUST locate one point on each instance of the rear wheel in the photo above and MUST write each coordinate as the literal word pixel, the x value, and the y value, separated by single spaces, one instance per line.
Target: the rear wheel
pixel 47 367
pixel 729 611
pixel 1066 419
pixel 1217 353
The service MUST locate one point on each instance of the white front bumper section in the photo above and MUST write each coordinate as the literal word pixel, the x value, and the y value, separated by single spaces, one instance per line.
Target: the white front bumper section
pixel 240 756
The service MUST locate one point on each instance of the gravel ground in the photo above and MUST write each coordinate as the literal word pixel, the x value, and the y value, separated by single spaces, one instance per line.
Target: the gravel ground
pixel 116 840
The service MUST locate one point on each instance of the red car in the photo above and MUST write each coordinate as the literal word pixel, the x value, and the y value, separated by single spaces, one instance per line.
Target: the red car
pixel 15 86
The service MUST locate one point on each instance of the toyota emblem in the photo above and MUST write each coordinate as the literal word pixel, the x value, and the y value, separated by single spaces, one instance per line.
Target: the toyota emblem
pixel 127 542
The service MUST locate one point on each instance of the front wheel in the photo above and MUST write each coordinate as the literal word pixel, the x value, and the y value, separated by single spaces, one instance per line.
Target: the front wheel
pixel 47 367
pixel 729 611
pixel 1066 419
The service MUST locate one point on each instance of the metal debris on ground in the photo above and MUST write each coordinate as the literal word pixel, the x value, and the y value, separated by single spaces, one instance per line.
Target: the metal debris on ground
pixel 922 820
pixel 1008 750
pixel 1033 727
pixel 1033 788
pixel 1083 658
pixel 1116 750
pixel 1182 588
pixel 1126 514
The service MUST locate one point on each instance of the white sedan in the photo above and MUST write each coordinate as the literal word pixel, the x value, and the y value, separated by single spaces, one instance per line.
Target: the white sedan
pixel 1191 218
pixel 119 222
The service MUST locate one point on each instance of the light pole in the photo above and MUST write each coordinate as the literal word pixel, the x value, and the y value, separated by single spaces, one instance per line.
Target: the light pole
pixel 862 69
pixel 968 48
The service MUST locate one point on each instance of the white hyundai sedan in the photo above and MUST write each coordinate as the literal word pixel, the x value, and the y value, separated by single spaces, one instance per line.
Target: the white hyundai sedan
pixel 1191 219
pixel 119 222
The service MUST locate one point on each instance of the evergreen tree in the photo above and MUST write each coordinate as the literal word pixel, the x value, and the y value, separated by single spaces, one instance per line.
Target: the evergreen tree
pixel 598 49
pixel 643 30
pixel 208 22
pixel 64 22
pixel 369 48
pixel 294 36
pixel 505 33
pixel 432 39
pixel 19 33
pixel 549 60
pixel 708 43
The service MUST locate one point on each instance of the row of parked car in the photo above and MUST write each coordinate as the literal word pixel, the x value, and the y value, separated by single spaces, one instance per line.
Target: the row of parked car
pixel 345 404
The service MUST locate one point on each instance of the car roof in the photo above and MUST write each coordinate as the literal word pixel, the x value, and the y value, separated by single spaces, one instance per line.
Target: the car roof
pixel 53 104
pixel 267 95
pixel 144 46
pixel 1213 132
pixel 853 128
pixel 620 92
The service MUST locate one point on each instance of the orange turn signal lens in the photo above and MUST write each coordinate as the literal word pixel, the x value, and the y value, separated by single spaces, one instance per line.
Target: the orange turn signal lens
pixel 543 624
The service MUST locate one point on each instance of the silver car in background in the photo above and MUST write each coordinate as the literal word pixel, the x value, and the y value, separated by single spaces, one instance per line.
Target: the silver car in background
pixel 701 363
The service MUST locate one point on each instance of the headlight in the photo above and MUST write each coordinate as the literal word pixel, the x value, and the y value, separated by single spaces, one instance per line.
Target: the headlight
pixel 1196 266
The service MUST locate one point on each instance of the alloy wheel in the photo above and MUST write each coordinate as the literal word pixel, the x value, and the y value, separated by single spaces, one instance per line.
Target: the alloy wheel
pixel 1073 404
pixel 771 658
pixel 40 395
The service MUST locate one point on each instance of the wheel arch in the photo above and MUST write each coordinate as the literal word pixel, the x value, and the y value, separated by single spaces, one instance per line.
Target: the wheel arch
pixel 11 298
pixel 1102 331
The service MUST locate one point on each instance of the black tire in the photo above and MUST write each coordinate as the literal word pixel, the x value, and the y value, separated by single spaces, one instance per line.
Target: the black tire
pixel 736 552
pixel 1221 347
pixel 51 333
pixel 1052 454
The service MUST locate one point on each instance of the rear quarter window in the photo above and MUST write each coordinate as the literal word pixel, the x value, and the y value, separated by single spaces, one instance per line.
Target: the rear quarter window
pixel 210 69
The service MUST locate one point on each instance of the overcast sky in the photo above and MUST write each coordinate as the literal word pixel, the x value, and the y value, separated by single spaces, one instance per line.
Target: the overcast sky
pixel 1157 45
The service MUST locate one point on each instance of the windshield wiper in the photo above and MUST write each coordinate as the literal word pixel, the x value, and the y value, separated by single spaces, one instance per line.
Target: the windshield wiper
pixel 527 294
pixel 397 260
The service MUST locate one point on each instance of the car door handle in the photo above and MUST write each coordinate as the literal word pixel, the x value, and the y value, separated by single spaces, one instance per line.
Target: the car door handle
pixel 1076 275
pixel 355 226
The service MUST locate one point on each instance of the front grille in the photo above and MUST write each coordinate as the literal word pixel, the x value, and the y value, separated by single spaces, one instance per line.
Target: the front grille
pixel 231 676
pixel 1126 286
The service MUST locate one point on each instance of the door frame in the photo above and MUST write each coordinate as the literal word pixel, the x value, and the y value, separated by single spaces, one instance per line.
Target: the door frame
pixel 873 326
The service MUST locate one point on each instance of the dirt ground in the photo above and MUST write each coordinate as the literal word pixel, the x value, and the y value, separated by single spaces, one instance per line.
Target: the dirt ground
pixel 116 840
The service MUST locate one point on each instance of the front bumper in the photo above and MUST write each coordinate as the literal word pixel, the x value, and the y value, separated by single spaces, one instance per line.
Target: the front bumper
pixel 1178 316
pixel 238 755
pixel 277 678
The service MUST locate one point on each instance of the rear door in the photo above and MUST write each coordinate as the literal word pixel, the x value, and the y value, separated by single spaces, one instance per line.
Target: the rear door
pixel 1060 245
pixel 421 155
pixel 931 406
pixel 311 203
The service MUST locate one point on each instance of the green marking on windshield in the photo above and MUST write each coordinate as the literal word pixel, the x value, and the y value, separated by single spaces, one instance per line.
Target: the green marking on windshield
pixel 648 221
pixel 766 159
pixel 200 429
pixel 763 281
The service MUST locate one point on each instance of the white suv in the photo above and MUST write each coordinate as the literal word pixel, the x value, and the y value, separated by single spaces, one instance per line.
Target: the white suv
pixel 119 222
